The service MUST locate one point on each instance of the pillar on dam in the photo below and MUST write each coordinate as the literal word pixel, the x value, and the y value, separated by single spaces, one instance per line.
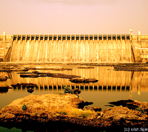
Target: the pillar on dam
pixel 139 33
pixel 4 36
pixel 130 32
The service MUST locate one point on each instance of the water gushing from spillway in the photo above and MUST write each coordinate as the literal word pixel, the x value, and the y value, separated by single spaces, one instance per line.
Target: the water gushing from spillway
pixel 71 51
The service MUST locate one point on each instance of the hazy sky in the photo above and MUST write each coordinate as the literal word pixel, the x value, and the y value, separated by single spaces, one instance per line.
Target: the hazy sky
pixel 73 16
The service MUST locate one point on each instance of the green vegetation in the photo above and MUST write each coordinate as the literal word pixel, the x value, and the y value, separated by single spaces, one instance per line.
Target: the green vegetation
pixel 79 113
pixel 24 107
pixel 63 112
pixel 140 109
pixel 60 93
pixel 86 114
pixel 68 90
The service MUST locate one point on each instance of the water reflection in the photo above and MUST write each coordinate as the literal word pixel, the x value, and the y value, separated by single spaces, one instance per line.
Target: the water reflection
pixel 82 88
pixel 108 79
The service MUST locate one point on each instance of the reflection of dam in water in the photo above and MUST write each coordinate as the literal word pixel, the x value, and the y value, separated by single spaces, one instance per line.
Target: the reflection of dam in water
pixel 71 48
pixel 109 80
pixel 81 87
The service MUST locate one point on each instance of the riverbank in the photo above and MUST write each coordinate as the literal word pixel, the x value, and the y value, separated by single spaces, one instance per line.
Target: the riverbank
pixel 57 109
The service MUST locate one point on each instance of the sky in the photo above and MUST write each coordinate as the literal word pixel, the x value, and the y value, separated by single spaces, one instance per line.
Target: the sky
pixel 73 16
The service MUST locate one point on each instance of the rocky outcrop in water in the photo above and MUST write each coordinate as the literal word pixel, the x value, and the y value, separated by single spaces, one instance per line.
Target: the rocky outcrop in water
pixel 82 67
pixel 5 88
pixel 54 69
pixel 3 78
pixel 35 74
pixel 83 80
pixel 30 90
pixel 131 67
pixel 49 108
pixel 131 104
pixel 125 117
pixel 29 75
pixel 27 85
pixel 12 69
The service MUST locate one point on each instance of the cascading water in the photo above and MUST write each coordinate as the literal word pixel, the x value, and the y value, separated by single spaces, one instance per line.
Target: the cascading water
pixel 71 51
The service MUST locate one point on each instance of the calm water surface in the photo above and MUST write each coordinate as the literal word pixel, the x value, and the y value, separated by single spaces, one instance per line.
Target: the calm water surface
pixel 112 85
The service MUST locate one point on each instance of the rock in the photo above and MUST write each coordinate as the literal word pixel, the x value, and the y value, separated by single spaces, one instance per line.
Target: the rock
pixel 86 67
pixel 76 91
pixel 59 75
pixel 13 70
pixel 28 85
pixel 123 113
pixel 44 115
pixel 15 85
pixel 129 68
pixel 55 75
pixel 126 103
pixel 29 75
pixel 1 59
pixel 68 90
pixel 135 105
pixel 55 69
pixel 97 108
pixel 3 78
pixel 30 90
pixel 49 108
pixel 4 88
pixel 88 103
pixel 10 116
pixel 83 80
pixel 82 104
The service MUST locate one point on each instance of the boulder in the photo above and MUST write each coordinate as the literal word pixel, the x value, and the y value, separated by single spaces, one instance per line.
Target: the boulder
pixel 83 80
pixel 119 113
pixel 86 67
pixel 28 85
pixel 131 104
pixel 30 90
pixel 29 75
pixel 96 109
pixel 82 104
pixel 3 78
pixel 4 88
pixel 55 75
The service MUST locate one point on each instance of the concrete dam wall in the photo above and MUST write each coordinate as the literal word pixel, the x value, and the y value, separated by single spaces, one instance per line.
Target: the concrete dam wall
pixel 71 48
pixel 113 48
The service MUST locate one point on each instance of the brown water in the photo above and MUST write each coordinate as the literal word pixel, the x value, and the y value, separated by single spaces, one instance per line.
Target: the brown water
pixel 112 85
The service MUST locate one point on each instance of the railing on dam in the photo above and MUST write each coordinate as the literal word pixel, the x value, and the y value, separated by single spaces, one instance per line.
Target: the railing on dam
pixel 74 37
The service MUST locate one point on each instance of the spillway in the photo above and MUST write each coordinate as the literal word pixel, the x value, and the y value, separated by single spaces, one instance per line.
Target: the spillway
pixel 78 50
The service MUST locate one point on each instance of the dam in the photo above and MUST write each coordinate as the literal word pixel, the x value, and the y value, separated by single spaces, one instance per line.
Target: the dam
pixel 74 48
pixel 88 56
